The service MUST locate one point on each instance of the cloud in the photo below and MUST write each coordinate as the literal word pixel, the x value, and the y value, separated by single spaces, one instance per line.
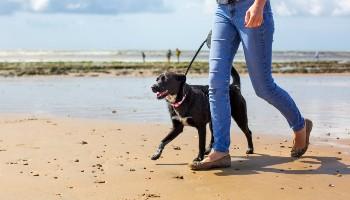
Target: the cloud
pixel 343 9
pixel 39 5
pixel 82 6
pixel 280 7
pixel 298 7
pixel 312 7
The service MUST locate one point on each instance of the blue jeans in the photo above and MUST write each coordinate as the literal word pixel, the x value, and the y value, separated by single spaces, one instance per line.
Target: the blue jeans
pixel 228 32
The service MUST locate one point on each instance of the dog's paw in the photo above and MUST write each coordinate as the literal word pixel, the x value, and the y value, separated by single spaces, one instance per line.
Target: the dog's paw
pixel 198 159
pixel 250 151
pixel 155 157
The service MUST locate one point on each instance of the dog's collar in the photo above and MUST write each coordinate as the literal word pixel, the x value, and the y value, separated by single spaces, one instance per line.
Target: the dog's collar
pixel 178 104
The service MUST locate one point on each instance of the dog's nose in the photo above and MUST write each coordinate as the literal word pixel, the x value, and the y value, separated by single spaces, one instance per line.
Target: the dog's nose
pixel 154 88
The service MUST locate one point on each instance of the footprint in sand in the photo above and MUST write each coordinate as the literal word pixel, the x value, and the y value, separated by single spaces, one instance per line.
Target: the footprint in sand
pixel 150 195
pixel 83 142
pixel 100 182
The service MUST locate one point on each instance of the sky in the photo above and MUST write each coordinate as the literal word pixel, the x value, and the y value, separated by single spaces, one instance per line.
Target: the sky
pixel 315 25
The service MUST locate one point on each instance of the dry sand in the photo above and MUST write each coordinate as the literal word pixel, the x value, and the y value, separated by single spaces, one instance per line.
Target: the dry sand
pixel 54 158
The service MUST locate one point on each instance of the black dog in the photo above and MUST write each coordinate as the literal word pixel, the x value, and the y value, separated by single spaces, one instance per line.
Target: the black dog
pixel 189 106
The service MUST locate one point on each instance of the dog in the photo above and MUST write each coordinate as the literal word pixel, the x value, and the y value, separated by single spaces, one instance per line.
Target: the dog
pixel 188 105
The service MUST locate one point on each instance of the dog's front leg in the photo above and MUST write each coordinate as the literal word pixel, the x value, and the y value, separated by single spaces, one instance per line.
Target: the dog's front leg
pixel 175 131
pixel 201 144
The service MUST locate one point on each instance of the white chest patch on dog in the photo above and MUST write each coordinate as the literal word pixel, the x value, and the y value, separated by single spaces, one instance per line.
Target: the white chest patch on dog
pixel 171 98
pixel 183 120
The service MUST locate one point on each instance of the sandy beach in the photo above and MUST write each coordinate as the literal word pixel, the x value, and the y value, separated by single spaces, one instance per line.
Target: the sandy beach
pixel 65 158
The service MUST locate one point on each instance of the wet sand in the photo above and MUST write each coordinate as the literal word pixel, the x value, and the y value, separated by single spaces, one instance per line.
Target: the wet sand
pixel 64 158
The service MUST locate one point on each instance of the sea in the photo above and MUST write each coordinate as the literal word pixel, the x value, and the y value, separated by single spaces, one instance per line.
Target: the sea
pixel 156 56
pixel 323 98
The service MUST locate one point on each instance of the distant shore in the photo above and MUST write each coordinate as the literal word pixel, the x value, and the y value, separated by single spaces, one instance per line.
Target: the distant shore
pixel 86 68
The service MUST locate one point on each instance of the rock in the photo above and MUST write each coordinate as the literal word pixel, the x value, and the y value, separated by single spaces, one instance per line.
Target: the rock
pixel 177 148
pixel 179 177
pixel 331 185
pixel 98 165
pixel 132 170
pixel 76 160
pixel 114 111
pixel 83 142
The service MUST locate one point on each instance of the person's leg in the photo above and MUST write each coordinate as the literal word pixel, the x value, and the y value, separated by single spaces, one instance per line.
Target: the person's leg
pixel 257 45
pixel 224 44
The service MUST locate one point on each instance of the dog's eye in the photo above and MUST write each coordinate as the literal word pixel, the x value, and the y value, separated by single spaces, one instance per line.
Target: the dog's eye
pixel 163 78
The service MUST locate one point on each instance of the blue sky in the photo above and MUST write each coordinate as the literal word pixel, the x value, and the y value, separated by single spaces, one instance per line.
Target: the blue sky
pixel 160 24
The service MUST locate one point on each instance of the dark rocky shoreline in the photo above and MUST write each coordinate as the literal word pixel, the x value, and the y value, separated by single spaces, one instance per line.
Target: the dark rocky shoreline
pixel 18 69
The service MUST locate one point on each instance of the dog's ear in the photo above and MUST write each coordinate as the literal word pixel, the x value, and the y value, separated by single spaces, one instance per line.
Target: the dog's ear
pixel 181 78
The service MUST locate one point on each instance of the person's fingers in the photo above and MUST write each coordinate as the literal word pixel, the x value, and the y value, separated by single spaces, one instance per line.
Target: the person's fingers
pixel 259 21
pixel 247 18
pixel 250 22
pixel 255 21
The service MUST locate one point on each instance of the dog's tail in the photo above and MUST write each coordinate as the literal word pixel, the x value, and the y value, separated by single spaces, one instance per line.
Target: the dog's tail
pixel 235 77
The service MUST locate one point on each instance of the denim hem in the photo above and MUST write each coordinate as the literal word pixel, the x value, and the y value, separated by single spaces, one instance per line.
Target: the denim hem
pixel 299 126
pixel 221 150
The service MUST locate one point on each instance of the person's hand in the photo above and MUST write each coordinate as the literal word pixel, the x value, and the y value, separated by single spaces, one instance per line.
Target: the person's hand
pixel 254 15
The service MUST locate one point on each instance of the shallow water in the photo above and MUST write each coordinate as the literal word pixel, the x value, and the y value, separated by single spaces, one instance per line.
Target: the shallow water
pixel 324 99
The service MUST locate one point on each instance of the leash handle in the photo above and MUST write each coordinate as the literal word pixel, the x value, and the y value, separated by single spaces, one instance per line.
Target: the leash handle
pixel 195 56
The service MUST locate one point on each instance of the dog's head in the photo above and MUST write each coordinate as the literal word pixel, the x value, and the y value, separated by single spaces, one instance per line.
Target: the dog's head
pixel 168 85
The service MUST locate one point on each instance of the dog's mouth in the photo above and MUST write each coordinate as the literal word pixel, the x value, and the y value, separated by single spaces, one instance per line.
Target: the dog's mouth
pixel 162 95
